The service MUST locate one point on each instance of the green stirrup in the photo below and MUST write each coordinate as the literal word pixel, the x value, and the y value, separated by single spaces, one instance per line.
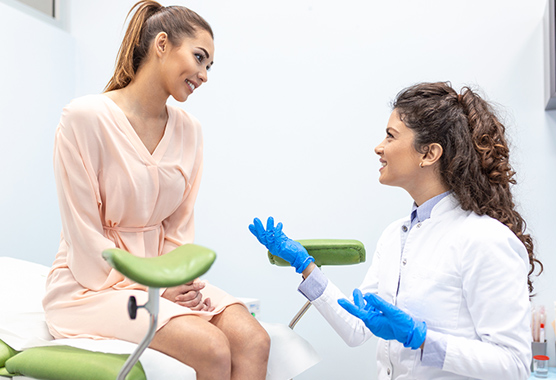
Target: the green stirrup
pixel 325 252
pixel 180 266
pixel 328 252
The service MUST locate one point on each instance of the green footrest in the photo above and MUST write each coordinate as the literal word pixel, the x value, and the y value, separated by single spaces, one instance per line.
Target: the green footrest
pixel 329 252
pixel 182 265
pixel 69 363
pixel 6 352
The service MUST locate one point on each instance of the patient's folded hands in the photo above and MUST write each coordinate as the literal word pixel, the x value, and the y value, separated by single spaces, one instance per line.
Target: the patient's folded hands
pixel 280 245
pixel 189 295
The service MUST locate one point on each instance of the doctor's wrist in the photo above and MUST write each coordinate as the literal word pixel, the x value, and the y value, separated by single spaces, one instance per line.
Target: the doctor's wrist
pixel 308 270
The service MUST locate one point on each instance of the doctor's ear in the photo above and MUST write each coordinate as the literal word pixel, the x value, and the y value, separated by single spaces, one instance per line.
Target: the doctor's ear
pixel 432 154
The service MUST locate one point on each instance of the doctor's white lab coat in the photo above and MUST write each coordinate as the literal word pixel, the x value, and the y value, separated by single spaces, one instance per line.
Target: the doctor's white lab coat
pixel 464 275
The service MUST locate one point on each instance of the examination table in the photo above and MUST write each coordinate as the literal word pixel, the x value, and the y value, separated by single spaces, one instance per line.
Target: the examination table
pixel 23 330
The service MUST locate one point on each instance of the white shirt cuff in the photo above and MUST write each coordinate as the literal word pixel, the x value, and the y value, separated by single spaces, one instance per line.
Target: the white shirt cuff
pixel 314 285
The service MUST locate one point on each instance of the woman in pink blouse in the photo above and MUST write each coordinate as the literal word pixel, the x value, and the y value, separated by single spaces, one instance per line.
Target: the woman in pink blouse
pixel 128 168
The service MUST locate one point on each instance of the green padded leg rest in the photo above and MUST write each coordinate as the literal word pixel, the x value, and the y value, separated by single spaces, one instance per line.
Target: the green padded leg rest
pixel 69 363
pixel 180 266
pixel 325 252
pixel 328 252
pixel 5 373
pixel 6 352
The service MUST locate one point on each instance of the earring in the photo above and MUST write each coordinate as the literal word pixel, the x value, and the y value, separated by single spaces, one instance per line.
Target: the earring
pixel 421 165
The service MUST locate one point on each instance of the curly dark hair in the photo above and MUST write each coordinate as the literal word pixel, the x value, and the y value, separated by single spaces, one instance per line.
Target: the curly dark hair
pixel 475 162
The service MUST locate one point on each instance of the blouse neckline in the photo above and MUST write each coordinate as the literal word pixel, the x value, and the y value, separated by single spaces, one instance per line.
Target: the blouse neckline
pixel 127 128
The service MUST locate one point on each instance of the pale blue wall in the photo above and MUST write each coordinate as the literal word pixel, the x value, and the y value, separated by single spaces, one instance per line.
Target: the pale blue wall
pixel 297 100
pixel 37 66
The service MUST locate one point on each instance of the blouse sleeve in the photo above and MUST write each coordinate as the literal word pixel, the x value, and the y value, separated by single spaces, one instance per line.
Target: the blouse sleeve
pixel 79 201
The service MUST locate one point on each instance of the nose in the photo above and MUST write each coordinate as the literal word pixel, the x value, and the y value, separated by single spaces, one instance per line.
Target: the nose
pixel 203 75
pixel 379 149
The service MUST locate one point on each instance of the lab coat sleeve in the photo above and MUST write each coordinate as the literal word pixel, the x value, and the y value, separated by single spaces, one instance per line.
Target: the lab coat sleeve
pixel 494 266
pixel 350 328
pixel 179 227
pixel 79 201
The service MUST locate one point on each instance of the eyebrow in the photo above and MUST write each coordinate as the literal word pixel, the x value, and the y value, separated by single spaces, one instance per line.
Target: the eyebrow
pixel 206 54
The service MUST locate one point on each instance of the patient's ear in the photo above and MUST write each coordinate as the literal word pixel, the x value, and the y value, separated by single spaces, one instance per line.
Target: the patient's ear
pixel 433 153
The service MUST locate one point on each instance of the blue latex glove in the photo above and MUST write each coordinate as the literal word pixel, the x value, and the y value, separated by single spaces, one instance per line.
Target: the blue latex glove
pixel 280 245
pixel 386 320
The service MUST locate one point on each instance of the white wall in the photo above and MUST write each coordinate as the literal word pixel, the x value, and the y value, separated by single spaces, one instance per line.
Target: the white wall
pixel 297 100
pixel 37 71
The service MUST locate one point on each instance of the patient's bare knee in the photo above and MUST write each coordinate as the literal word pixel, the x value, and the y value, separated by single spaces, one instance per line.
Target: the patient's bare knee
pixel 219 350
pixel 258 344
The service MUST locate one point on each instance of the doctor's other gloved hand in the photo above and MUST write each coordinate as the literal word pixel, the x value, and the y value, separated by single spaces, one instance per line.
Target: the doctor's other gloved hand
pixel 280 245
pixel 386 320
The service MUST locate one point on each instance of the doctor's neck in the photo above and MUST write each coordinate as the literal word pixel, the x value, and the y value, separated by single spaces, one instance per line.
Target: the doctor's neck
pixel 429 186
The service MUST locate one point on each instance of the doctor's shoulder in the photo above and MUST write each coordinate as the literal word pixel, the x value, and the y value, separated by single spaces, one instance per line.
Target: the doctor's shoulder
pixel 484 233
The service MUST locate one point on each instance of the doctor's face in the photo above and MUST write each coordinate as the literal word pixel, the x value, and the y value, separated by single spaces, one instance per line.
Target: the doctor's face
pixel 398 158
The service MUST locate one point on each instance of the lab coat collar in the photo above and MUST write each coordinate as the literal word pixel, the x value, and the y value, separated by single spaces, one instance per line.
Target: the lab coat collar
pixel 423 212
pixel 446 204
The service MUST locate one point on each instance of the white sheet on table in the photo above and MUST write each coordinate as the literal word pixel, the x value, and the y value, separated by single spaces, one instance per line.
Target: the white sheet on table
pixel 22 326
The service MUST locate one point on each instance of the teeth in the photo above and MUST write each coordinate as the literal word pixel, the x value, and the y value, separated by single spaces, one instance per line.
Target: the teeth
pixel 383 164
pixel 191 85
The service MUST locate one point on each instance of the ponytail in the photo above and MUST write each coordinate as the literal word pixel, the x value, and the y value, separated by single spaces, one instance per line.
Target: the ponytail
pixel 149 19
pixel 475 162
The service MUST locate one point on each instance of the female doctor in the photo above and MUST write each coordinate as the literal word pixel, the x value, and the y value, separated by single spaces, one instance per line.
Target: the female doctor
pixel 448 289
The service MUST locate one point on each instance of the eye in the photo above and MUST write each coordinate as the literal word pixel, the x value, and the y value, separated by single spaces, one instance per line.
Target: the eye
pixel 389 135
pixel 199 57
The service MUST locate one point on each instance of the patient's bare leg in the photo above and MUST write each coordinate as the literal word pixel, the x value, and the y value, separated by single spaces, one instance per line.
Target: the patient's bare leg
pixel 197 343
pixel 249 342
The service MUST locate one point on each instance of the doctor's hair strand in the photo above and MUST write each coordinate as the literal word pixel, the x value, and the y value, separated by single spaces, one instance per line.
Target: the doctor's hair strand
pixel 148 18
pixel 475 162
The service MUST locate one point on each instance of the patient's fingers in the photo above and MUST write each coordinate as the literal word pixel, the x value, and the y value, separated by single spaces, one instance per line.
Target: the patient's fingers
pixel 189 296
pixel 208 305
pixel 190 299
pixel 203 306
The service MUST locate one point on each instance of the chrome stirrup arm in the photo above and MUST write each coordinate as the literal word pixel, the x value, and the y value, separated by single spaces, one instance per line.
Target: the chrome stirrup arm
pixel 152 307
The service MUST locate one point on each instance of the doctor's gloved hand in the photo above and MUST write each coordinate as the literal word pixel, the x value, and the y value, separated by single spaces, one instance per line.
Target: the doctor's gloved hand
pixel 280 245
pixel 386 320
